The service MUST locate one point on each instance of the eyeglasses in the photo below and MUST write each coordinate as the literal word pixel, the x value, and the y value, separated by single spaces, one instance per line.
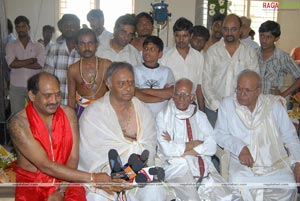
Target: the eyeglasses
pixel 184 96
pixel 246 91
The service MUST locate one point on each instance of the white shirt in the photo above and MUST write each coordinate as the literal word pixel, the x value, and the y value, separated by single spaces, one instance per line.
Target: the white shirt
pixel 250 42
pixel 269 135
pixel 128 54
pixel 153 78
pixel 221 71
pixel 191 67
pixel 104 37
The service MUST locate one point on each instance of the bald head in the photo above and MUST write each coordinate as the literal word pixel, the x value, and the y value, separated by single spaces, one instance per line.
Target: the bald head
pixel 251 75
pixel 233 18
pixel 184 82
pixel 33 83
pixel 183 94
pixel 231 29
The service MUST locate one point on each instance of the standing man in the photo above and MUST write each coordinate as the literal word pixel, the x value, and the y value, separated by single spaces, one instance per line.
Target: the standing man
pixel 63 53
pixel 224 61
pixel 119 47
pixel 47 42
pixel 184 60
pixel 86 81
pixel 144 28
pixel 216 31
pixel 262 141
pixel 117 121
pixel 200 37
pixel 96 20
pixel 154 82
pixel 245 30
pixel 186 144
pixel 274 63
pixel 25 58
pixel 45 136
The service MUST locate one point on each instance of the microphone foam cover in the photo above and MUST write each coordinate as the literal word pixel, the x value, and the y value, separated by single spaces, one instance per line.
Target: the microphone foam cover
pixel 132 159
pixel 137 166
pixel 152 171
pixel 144 155
pixel 140 178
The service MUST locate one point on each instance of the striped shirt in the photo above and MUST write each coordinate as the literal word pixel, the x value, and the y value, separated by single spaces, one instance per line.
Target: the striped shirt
pixel 57 62
pixel 274 70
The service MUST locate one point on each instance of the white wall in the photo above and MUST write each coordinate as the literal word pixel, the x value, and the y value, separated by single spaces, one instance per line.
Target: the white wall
pixel 177 8
pixel 289 24
pixel 39 13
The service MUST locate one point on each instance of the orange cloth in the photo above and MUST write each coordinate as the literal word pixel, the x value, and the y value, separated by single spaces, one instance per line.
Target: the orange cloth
pixel 61 145
pixel 295 54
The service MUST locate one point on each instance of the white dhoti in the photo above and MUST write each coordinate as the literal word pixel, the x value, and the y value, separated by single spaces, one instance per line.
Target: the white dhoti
pixel 100 131
pixel 182 172
pixel 269 134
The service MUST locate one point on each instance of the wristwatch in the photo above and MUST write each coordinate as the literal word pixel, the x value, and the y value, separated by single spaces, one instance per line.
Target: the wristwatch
pixel 61 191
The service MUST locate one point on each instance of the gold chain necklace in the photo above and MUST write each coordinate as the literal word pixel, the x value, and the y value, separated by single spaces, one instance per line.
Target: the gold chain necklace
pixel 126 128
pixel 85 84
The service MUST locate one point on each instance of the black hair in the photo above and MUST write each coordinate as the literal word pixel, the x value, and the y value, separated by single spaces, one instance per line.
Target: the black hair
pixel 48 27
pixel 86 31
pixel 33 81
pixel 10 26
pixel 156 41
pixel 251 34
pixel 68 17
pixel 183 24
pixel 219 17
pixel 270 26
pixel 144 14
pixel 201 31
pixel 20 19
pixel 127 19
pixel 97 13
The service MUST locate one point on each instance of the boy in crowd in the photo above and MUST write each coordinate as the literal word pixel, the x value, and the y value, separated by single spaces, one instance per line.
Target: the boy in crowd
pixel 154 82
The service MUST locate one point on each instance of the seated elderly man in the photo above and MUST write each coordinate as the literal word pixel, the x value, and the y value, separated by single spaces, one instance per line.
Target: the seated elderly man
pixel 117 121
pixel 185 143
pixel 264 148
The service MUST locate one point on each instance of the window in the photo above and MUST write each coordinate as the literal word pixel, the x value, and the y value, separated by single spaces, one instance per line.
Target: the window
pixel 112 9
pixel 250 8
pixel 255 10
pixel 77 7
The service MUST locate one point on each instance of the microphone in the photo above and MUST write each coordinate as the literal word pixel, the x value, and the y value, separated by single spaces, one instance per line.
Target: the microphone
pixel 132 166
pixel 144 156
pixel 140 178
pixel 115 164
pixel 153 174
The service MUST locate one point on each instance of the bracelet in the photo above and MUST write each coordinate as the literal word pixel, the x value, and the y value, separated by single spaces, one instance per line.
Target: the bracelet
pixel 92 177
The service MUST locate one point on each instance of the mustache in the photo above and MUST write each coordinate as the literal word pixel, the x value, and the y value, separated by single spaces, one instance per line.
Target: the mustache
pixel 87 51
pixel 51 104
pixel 230 38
